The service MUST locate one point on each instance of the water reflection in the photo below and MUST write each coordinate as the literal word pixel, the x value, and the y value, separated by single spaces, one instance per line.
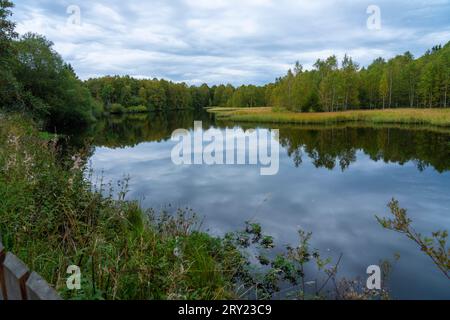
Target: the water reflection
pixel 332 181
pixel 130 130
pixel 330 148
pixel 327 147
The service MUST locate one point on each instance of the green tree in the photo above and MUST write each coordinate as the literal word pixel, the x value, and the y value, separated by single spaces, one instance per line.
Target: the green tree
pixel 349 83
pixel 427 85
pixel 384 88
pixel 51 88
pixel 9 87
pixel 370 79
pixel 328 71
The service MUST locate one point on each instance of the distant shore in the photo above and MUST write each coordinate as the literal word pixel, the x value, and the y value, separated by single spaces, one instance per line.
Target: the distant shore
pixel 435 117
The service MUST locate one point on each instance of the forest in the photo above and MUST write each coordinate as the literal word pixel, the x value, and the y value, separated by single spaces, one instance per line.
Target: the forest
pixel 330 86
pixel 35 79
pixel 395 83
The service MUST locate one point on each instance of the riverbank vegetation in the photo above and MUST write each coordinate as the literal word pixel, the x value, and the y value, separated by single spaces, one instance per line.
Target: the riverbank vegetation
pixel 434 246
pixel 435 117
pixel 53 217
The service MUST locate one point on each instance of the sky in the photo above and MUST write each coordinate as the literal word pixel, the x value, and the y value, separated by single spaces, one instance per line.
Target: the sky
pixel 229 41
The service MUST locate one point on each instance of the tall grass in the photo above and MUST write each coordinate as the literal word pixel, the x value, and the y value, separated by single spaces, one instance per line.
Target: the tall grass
pixel 436 117
pixel 52 217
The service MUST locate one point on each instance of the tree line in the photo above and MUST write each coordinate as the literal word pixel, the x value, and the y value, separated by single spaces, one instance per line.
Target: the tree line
pixel 119 93
pixel 154 94
pixel 399 82
pixel 330 85
pixel 35 79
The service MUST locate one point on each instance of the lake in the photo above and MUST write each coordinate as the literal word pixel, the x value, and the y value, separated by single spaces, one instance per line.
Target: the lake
pixel 332 181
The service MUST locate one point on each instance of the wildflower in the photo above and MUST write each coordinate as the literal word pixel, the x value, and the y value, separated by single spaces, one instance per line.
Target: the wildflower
pixel 77 163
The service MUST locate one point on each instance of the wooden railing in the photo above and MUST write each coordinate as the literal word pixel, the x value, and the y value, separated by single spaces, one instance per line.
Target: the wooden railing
pixel 17 282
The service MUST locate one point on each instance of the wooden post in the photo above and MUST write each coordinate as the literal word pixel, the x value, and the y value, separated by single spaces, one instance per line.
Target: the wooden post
pixel 2 278
pixel 16 274
pixel 39 289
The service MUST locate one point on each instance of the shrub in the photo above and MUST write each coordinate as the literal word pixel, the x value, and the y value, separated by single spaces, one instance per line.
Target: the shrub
pixel 97 108
pixel 117 108
pixel 137 109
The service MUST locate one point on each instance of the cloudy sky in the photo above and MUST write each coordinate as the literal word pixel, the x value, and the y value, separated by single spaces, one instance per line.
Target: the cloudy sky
pixel 228 41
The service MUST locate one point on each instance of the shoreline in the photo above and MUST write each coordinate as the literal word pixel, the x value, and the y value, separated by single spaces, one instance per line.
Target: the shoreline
pixel 434 117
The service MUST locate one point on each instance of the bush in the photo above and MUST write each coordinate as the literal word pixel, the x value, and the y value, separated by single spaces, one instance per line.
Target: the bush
pixel 137 109
pixel 117 108
pixel 97 109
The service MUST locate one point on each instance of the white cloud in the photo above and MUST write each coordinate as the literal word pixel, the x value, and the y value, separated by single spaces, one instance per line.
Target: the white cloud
pixel 237 41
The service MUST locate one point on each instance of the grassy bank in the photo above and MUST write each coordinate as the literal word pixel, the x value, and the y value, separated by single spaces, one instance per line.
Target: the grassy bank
pixel 435 117
pixel 52 217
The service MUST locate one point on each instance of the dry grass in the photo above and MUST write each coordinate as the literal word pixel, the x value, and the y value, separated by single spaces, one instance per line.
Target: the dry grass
pixel 435 117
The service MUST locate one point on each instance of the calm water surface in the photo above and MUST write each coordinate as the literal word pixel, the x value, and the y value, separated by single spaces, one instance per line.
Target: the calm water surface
pixel 332 182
